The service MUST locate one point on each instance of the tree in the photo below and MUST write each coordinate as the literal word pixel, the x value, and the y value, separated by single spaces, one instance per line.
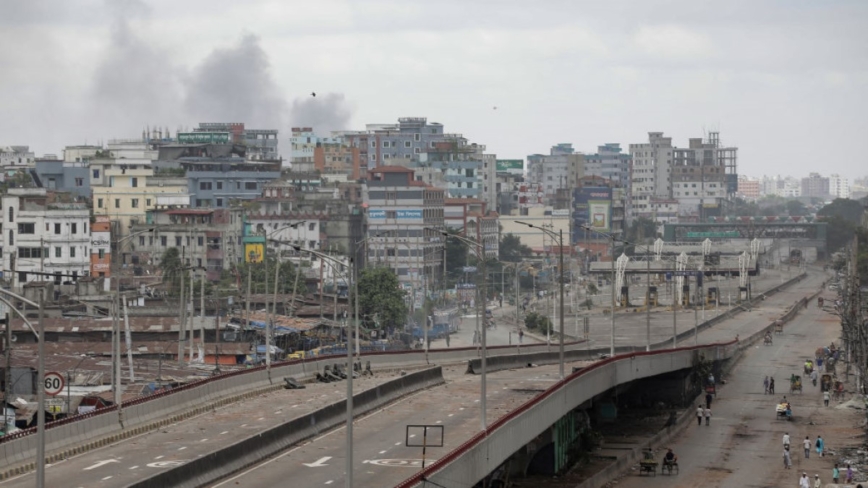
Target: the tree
pixel 511 250
pixel 796 208
pixel 381 300
pixel 850 210
pixel 172 267
pixel 640 231
pixel 538 322
pixel 839 232
pixel 456 255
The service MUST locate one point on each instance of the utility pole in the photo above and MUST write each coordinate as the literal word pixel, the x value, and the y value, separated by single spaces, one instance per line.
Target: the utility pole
pixel 647 299
pixel 40 395
pixel 182 320
pixel 8 389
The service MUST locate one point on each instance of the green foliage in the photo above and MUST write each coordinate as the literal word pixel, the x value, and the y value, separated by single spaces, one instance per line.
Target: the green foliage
pixel 511 250
pixel 456 256
pixel 592 288
pixel 286 277
pixel 641 231
pixel 538 322
pixel 795 208
pixel 588 303
pixel 849 210
pixel 839 233
pixel 380 295
pixel 172 268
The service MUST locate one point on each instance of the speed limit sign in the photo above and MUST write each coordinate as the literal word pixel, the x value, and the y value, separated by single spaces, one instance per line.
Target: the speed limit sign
pixel 53 383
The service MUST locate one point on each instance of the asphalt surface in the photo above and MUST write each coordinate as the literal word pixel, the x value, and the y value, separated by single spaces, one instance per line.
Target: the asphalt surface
pixel 742 446
pixel 381 459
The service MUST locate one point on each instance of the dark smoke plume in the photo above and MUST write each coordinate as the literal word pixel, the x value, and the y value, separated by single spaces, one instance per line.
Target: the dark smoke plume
pixel 324 113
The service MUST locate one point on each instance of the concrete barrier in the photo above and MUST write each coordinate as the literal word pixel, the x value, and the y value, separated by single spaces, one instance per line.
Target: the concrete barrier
pixel 253 449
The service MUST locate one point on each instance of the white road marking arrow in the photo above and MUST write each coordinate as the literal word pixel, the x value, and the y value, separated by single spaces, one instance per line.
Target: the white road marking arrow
pixel 101 463
pixel 318 463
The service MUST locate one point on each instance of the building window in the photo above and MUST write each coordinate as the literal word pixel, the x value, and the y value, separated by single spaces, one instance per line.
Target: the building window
pixel 417 150
pixel 11 216
pixel 96 173
pixel 58 252
pixel 204 185
pixel 117 203
pixel 134 203
pixel 57 228
pixel 249 185
pixel 74 228
pixel 417 137
pixel 30 252
pixel 177 241
pixel 385 156
pixel 219 185
pixel 385 143
pixel 311 245
pixel 102 254
pixel 311 226
pixel 79 182
pixel 407 144
pixel 72 251
pixel 11 237
pixel 26 228
pixel 141 240
pixel 134 182
pixel 163 241
pixel 220 202
pixel 201 241
pixel 99 202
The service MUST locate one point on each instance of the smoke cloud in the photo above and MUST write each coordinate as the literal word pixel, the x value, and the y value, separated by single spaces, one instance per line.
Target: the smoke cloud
pixel 324 113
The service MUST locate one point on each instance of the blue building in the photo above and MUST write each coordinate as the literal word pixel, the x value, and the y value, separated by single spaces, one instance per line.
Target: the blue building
pixel 213 183
pixel 73 177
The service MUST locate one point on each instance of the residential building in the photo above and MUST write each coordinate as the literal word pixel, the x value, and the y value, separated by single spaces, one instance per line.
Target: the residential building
pixel 506 187
pixel 815 186
pixel 214 183
pixel 650 174
pixel 261 144
pixel 46 237
pixel 471 218
pixel 16 157
pixel 610 163
pixel 788 187
pixel 560 169
pixel 400 214
pixel 700 178
pixel 206 237
pixel 461 166
pixel 290 229
pixel 80 154
pixel 548 218
pixel 56 175
pixel 100 248
pixel 337 161
pixel 839 186
pixel 748 188
pixel 489 181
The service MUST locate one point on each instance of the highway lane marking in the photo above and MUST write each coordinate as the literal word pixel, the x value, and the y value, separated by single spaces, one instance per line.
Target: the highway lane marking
pixel 451 414
pixel 329 482
pixel 412 436
pixel 134 467
pixel 159 457
pixel 397 443
pixel 182 448
pixel 287 453
pixel 203 440
pixel 101 463
pixel 439 422
pixel 107 478
pixel 243 425
pixel 224 432
pixel 261 418
pixel 318 463
pixel 382 452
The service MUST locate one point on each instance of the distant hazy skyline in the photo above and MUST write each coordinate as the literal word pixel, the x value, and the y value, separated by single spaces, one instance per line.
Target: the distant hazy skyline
pixel 784 80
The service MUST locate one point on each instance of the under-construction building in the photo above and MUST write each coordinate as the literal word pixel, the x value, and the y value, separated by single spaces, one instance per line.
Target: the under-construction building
pixel 704 178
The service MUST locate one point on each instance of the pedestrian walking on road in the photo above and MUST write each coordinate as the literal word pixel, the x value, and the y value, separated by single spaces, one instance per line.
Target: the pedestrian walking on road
pixel 771 386
pixel 787 461
pixel 707 416
pixel 708 400
pixel 835 474
pixel 786 439
pixel 820 445
pixel 520 336
pixel 807 447
pixel 814 377
pixel 826 397
pixel 766 385
pixel 817 482
pixel 699 415
pixel 803 481
pixel 849 474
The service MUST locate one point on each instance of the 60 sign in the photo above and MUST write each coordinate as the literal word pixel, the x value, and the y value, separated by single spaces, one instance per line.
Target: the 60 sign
pixel 53 383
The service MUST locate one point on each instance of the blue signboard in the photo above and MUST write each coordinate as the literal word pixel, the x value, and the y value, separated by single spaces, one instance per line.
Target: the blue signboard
pixel 394 214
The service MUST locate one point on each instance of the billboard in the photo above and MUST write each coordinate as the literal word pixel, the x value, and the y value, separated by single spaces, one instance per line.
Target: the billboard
pixel 511 166
pixel 204 138
pixel 394 214
pixel 253 252
pixel 100 241
pixel 598 213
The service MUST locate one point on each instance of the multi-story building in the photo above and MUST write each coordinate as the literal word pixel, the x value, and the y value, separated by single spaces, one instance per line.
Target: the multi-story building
pixel 650 174
pixel 73 177
pixel 839 186
pixel 598 211
pixel 16 157
pixel 489 180
pixel 788 187
pixel 461 166
pixel 213 183
pixel 206 237
pixel 100 248
pixel 748 188
pixel 337 161
pixel 510 174
pixel 700 177
pixel 471 219
pixel 261 144
pixel 400 213
pixel 609 163
pixel 45 236
pixel 560 169
pixel 79 154
pixel 815 186
pixel 302 144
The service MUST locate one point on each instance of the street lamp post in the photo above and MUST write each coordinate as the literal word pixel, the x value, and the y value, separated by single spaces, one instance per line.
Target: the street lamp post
pixel 479 248
pixel 560 239
pixel 612 250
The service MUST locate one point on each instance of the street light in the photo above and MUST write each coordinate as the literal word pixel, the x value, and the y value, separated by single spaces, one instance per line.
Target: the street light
pixel 560 237
pixel 612 241
pixel 481 299
pixel 350 368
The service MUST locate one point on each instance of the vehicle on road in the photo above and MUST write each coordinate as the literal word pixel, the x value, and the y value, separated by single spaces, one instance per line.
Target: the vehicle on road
pixel 795 383
pixel 783 411
pixel 648 464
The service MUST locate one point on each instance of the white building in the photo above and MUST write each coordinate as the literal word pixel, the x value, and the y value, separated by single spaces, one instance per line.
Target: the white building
pixel 650 177
pixel 44 237
pixel 839 186
pixel 16 156
pixel 560 169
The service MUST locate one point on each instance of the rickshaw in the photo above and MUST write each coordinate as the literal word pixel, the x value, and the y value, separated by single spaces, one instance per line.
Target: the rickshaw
pixel 809 366
pixel 783 411
pixel 838 392
pixel 648 464
pixel 779 327
pixel 826 382
pixel 795 383
pixel 767 340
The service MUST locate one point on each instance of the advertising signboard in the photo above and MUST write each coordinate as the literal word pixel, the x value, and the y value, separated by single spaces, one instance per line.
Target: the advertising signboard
pixel 100 241
pixel 598 212
pixel 204 138
pixel 253 252
pixel 511 166
pixel 394 214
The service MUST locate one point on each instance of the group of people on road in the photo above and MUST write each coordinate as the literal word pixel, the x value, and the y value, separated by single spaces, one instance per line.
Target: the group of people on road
pixel 769 385
pixel 703 412
pixel 836 478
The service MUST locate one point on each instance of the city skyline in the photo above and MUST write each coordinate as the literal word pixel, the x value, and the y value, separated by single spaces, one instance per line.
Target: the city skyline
pixel 779 80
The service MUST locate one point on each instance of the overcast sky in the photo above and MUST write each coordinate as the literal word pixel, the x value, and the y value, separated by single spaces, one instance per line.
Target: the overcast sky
pixel 784 80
